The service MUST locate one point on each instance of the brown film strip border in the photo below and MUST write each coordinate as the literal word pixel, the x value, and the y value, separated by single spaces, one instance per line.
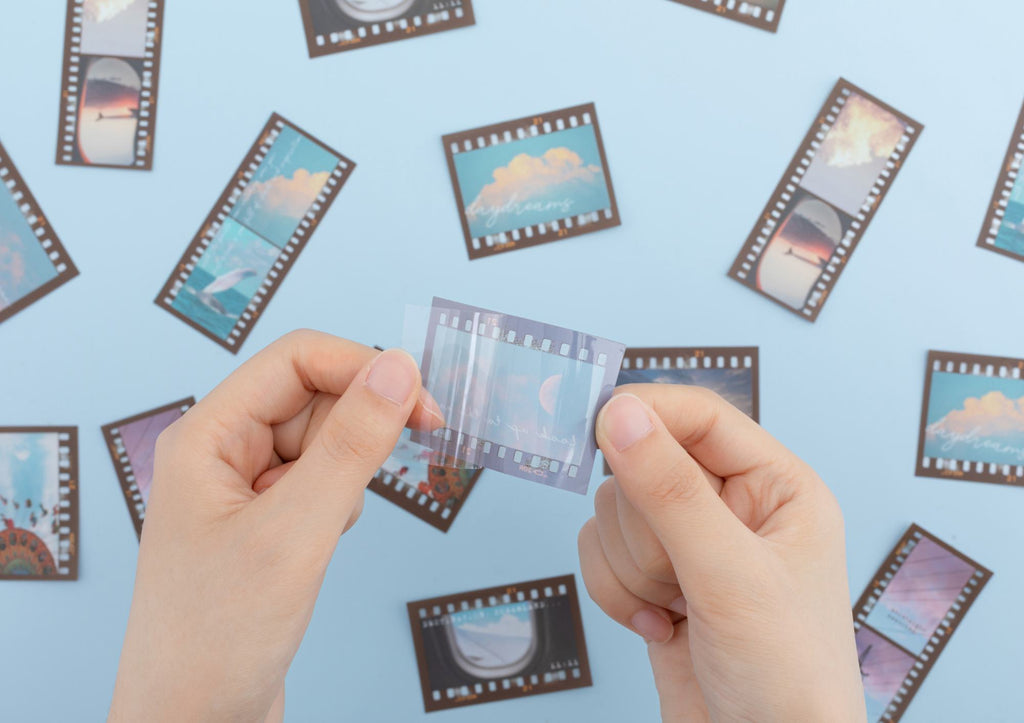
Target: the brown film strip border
pixel 521 129
pixel 1001 194
pixel 123 464
pixel 73 80
pixel 444 15
pixel 45 235
pixel 67 475
pixel 968 365
pixel 937 643
pixel 511 687
pixel 746 261
pixel 409 498
pixel 220 213
pixel 749 13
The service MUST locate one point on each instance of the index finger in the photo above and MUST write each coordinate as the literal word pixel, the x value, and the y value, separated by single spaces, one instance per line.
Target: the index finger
pixel 719 436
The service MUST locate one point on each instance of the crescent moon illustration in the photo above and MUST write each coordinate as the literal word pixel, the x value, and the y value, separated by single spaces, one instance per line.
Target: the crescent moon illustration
pixel 549 393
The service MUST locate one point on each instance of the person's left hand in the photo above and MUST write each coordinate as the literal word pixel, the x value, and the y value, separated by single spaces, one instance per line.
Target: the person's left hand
pixel 252 489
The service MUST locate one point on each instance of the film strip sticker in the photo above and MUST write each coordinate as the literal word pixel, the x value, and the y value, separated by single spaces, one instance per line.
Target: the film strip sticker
pixel 334 26
pixel 1003 228
pixel 250 240
pixel 39 503
pixel 501 445
pixel 825 202
pixel 970 425
pixel 131 443
pixel 109 83
pixel 730 371
pixel 764 14
pixel 496 172
pixel 30 242
pixel 416 480
pixel 538 625
pixel 907 614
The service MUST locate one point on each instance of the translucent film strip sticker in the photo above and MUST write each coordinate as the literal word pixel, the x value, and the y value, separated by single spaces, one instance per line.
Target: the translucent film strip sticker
pixel 764 14
pixel 223 301
pixel 823 205
pixel 492 215
pixel 968 419
pixel 109 83
pixel 543 648
pixel 1003 228
pixel 334 26
pixel 39 534
pixel 34 231
pixel 907 614
pixel 131 443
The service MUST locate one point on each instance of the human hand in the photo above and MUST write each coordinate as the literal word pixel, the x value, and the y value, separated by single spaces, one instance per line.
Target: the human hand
pixel 726 553
pixel 251 490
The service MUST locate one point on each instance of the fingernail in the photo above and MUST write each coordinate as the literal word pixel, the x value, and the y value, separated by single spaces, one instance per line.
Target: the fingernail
pixel 678 605
pixel 625 421
pixel 392 376
pixel 653 627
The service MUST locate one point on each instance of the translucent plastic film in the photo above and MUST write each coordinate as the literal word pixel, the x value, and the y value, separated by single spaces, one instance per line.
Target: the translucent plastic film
pixel 517 396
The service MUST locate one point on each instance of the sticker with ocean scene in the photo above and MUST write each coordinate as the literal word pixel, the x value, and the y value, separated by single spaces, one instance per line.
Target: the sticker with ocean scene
pixel 254 233
pixel 1003 228
pixel 531 181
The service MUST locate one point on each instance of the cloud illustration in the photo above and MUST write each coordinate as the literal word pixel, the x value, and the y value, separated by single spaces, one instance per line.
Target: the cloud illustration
pixel 862 133
pixel 528 177
pixel 286 196
pixel 100 10
pixel 992 415
pixel 507 626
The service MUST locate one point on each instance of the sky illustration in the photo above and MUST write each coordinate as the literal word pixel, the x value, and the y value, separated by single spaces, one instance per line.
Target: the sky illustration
pixel 798 252
pixel 139 439
pixel 532 181
pixel 919 596
pixel 24 265
pixel 975 418
pixel 29 475
pixel 413 458
pixel 853 154
pixel 733 385
pixel 235 247
pixel 284 186
pixel 106 124
pixel 883 668
pixel 494 637
pixel 114 27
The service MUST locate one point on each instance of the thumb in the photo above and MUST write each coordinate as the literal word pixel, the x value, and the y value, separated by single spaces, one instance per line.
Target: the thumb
pixel 325 484
pixel 700 534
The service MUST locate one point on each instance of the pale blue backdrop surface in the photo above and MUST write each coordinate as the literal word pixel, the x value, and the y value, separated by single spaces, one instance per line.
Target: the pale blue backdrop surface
pixel 700 117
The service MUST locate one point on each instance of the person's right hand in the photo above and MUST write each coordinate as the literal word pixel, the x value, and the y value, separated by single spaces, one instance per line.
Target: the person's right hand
pixel 726 553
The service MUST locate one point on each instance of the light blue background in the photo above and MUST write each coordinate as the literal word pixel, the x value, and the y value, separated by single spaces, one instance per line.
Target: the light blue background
pixel 700 117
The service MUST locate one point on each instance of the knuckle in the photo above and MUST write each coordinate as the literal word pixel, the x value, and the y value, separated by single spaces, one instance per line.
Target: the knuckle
pixel 670 483
pixel 654 564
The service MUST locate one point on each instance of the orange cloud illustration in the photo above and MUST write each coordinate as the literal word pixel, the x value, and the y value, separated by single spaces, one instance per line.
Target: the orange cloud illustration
pixel 992 415
pixel 862 133
pixel 527 177
pixel 286 196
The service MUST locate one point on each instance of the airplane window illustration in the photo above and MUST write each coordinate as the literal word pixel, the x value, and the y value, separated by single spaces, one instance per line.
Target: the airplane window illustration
pixel 373 10
pixel 494 642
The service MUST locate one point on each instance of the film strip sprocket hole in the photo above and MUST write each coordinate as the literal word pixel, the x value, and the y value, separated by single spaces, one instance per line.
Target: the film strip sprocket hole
pixel 557 226
pixel 969 428
pixel 334 26
pixel 131 443
pixel 36 231
pixel 1003 228
pixel 539 623
pixel 825 231
pixel 906 616
pixel 110 78
pixel 764 14
pixel 39 536
pixel 205 307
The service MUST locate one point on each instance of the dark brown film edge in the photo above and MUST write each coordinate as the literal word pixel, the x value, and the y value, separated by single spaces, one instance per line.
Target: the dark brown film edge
pixel 9 174
pixel 536 239
pixel 318 51
pixel 569 581
pixel 221 210
pixel 387 486
pixel 71 495
pixel 1001 193
pixel 961 474
pixel 923 662
pixel 913 131
pixel 123 468
pixel 157 8
pixel 709 7
pixel 712 352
